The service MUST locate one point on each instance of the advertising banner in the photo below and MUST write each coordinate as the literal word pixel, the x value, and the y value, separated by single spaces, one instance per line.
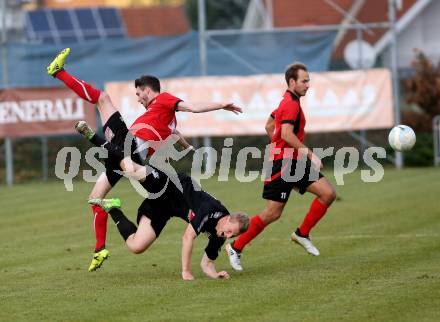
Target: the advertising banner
pixel 336 101
pixel 42 111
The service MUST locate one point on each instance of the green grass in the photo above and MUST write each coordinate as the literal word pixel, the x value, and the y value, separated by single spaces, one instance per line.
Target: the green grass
pixel 380 259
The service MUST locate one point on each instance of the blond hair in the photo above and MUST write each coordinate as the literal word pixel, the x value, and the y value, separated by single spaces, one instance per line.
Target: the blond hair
pixel 242 219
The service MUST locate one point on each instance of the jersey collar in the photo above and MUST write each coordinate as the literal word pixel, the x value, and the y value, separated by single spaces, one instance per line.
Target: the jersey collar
pixel 292 95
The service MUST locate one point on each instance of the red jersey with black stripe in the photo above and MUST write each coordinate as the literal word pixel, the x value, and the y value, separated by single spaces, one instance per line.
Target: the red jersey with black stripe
pixel 159 121
pixel 289 111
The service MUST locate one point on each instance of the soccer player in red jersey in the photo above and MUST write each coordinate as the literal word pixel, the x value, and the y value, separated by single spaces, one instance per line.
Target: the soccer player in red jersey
pixel 285 127
pixel 156 124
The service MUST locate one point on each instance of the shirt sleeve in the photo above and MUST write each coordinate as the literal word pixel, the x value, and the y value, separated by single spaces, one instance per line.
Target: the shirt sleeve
pixel 272 115
pixel 212 250
pixel 288 112
pixel 169 101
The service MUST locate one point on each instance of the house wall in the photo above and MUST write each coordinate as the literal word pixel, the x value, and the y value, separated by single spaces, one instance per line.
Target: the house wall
pixel 423 34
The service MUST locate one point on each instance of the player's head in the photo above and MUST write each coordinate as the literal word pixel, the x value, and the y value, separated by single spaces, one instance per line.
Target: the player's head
pixel 232 225
pixel 297 78
pixel 147 88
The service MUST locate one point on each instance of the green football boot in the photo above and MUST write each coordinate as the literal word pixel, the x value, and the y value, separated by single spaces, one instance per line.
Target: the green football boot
pixel 58 63
pixel 84 129
pixel 98 259
pixel 106 204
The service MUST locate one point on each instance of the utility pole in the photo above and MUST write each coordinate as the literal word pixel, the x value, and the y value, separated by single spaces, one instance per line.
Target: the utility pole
pixel 395 72
pixel 207 142
pixel 5 79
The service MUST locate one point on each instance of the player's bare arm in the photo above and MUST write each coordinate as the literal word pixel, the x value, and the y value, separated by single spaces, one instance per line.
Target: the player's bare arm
pixel 292 140
pixel 182 141
pixel 207 107
pixel 187 246
pixel 208 267
pixel 270 126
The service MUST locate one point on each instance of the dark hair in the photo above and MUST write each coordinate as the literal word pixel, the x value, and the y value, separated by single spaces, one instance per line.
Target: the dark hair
pixel 292 71
pixel 148 81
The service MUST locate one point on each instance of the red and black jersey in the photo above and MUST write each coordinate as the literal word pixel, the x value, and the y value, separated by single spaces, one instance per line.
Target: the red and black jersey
pixel 289 111
pixel 159 121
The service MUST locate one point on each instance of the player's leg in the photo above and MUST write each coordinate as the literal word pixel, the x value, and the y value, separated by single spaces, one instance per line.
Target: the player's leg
pixel 143 237
pixel 276 191
pixel 105 183
pixel 116 151
pixel 152 217
pixel 137 239
pixel 80 87
pixel 99 191
pixel 325 195
pixel 270 213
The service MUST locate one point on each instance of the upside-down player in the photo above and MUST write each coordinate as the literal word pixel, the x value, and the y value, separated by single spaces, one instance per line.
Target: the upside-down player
pixel 204 213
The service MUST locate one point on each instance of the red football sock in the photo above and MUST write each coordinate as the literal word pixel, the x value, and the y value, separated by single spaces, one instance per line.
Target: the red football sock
pixel 81 88
pixel 256 226
pixel 100 225
pixel 316 212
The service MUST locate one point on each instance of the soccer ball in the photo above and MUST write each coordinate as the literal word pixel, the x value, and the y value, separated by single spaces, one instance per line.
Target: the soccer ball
pixel 402 138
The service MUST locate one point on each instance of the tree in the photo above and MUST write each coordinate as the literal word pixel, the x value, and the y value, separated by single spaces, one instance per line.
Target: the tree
pixel 423 90
pixel 225 14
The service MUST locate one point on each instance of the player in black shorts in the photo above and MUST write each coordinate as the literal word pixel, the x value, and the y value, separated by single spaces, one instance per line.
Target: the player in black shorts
pixel 187 201
pixel 294 167
pixel 303 174
pixel 116 130
pixel 204 213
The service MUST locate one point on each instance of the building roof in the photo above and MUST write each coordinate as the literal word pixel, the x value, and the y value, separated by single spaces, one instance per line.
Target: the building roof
pixel 147 18
pixel 155 21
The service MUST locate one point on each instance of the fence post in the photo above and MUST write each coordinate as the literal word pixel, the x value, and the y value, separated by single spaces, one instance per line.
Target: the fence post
pixel 44 157
pixel 9 162
pixel 436 133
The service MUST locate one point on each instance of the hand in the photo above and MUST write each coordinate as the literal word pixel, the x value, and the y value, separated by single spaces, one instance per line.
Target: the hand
pixel 315 161
pixel 187 276
pixel 233 108
pixel 223 275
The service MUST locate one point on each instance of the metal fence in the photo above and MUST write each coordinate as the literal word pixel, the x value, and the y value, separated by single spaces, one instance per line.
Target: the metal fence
pixel 213 38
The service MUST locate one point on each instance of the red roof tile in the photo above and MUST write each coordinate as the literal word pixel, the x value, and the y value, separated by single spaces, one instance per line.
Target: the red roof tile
pixel 155 21
pixel 288 13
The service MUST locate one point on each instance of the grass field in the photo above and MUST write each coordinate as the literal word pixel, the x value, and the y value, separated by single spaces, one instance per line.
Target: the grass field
pixel 380 259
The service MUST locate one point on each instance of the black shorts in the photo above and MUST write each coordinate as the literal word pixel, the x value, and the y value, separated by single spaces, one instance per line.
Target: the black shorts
pixel 160 210
pixel 288 175
pixel 116 131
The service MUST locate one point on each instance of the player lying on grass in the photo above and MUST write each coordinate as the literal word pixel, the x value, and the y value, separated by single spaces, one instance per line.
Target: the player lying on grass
pixel 156 124
pixel 204 213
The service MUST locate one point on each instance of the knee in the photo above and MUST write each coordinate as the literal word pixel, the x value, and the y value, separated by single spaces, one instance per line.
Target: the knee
pixel 95 196
pixel 136 249
pixel 103 97
pixel 269 216
pixel 134 245
pixel 329 196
